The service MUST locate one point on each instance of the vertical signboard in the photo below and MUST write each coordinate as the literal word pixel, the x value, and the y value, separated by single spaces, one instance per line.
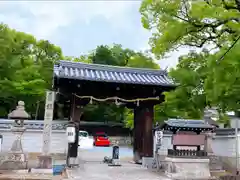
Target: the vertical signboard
pixel 158 139
pixel 48 117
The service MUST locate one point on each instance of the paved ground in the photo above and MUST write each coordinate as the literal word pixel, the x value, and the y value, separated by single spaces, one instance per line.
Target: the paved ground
pixel 92 168
pixel 97 171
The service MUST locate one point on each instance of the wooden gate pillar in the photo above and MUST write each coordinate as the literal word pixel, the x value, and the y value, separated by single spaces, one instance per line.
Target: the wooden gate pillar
pixel 75 115
pixel 142 135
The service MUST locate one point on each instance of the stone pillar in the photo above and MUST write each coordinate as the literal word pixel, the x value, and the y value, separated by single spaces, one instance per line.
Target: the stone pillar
pixel 143 135
pixel 45 159
pixel 208 143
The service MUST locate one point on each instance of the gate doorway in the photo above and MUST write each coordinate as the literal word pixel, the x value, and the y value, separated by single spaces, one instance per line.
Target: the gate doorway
pixel 77 84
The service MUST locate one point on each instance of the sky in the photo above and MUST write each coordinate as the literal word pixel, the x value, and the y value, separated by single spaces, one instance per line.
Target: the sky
pixel 80 26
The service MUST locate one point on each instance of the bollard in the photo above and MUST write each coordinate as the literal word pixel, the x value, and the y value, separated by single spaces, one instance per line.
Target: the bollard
pixel 115 156
pixel 115 152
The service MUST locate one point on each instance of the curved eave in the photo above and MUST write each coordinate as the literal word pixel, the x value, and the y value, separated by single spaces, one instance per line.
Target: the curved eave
pixel 111 74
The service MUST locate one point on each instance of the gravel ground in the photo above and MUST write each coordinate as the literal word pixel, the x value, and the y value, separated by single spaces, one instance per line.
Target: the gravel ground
pixel 92 168
pixel 98 171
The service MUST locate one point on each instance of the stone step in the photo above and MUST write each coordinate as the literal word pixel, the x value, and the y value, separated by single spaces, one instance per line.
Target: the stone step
pixel 215 163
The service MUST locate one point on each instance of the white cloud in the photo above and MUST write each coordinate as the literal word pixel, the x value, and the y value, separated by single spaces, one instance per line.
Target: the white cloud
pixel 44 19
pixel 49 16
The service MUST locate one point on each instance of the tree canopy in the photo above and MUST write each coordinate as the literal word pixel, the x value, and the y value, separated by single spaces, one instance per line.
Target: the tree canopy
pixel 25 69
pixel 205 76
pixel 190 23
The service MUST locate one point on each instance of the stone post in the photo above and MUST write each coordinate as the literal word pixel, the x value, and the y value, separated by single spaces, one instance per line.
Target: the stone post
pixel 45 160
pixel 208 143
pixel 16 158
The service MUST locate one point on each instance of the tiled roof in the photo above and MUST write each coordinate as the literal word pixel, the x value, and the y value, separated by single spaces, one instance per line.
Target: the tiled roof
pixel 56 124
pixel 97 72
pixel 182 123
pixel 226 131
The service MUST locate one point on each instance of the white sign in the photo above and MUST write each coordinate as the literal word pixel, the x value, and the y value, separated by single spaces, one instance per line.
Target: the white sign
pixel 48 117
pixel 158 138
pixel 71 134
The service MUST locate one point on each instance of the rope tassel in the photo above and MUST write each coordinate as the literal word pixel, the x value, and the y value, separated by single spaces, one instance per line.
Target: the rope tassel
pixel 116 101
pixel 137 102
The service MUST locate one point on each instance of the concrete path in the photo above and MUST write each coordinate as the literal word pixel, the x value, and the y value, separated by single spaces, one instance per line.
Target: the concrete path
pixel 97 171
pixel 92 168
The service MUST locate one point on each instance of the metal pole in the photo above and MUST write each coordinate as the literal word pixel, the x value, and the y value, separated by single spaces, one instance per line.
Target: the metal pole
pixel 237 143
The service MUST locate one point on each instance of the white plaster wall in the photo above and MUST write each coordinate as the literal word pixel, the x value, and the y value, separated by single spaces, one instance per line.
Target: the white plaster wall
pixel 32 141
pixel 233 122
pixel 166 144
pixel 224 146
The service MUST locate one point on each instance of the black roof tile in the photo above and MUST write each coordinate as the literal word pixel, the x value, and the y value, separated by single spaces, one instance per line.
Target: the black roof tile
pixel 97 72
pixel 182 123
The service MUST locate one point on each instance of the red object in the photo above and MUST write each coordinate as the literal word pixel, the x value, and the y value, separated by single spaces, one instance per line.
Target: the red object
pixel 188 139
pixel 101 139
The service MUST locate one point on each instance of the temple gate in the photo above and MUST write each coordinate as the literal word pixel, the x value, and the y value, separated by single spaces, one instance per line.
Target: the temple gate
pixel 77 84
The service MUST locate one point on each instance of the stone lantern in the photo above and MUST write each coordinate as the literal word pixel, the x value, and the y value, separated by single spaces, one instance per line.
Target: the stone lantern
pixel 16 158
pixel 19 115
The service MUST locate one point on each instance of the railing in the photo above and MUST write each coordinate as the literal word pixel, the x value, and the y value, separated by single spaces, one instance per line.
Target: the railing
pixel 186 153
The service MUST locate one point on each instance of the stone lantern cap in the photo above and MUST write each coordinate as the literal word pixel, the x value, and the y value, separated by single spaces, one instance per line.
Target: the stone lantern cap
pixel 19 112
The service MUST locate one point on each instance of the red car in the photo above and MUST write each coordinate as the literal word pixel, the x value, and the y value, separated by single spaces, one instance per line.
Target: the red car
pixel 101 139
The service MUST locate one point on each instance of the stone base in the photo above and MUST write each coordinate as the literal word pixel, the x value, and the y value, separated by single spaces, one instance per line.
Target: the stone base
pixel 136 158
pixel 115 162
pixel 73 162
pixel 41 171
pixel 13 161
pixel 45 162
pixel 148 162
pixel 11 175
pixel 184 168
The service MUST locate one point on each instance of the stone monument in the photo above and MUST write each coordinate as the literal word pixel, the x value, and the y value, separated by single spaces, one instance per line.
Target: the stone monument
pixel 16 158
pixel 45 159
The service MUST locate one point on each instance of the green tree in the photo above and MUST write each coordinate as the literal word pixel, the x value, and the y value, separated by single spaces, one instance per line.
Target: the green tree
pixel 190 23
pixel 25 69
pixel 202 79
pixel 189 99
pixel 223 77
